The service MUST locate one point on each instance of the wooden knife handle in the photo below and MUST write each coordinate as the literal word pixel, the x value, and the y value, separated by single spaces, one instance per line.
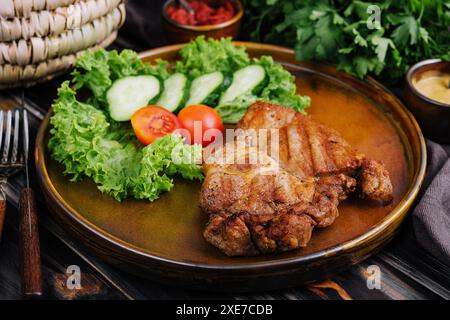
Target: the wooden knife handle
pixel 29 245
pixel 2 216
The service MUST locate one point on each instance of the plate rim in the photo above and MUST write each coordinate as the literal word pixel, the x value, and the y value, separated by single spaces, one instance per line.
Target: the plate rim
pixel 396 214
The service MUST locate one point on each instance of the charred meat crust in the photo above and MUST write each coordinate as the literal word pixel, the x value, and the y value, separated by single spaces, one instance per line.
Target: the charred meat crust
pixel 375 183
pixel 257 208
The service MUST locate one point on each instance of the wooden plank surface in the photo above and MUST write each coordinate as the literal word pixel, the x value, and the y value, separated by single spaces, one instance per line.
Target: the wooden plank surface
pixel 407 271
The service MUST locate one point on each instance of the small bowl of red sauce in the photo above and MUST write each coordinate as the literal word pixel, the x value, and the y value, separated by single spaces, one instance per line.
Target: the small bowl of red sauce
pixel 212 18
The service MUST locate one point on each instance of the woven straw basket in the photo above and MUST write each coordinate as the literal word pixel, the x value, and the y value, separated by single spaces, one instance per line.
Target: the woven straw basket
pixel 40 39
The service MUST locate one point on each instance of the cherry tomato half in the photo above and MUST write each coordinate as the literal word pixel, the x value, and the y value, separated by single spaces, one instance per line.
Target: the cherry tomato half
pixel 153 122
pixel 197 119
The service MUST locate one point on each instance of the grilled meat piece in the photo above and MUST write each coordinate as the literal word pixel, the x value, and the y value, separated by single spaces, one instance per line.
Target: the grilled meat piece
pixel 261 208
pixel 229 233
pixel 375 183
pixel 329 192
pixel 273 205
pixel 250 205
pixel 306 147
pixel 257 188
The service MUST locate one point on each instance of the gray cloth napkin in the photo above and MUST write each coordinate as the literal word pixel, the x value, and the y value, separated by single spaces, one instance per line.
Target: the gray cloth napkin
pixel 431 217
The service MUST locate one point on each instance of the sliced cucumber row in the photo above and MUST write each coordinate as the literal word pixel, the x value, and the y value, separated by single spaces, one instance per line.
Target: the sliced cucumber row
pixel 245 80
pixel 207 88
pixel 131 93
pixel 204 87
pixel 175 88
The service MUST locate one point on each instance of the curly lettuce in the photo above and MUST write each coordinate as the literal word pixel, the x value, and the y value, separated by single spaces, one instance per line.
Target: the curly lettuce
pixel 279 89
pixel 202 56
pixel 88 145
pixel 97 70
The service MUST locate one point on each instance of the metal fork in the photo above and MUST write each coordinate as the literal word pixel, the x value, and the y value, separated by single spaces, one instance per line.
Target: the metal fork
pixel 14 141
pixel 9 163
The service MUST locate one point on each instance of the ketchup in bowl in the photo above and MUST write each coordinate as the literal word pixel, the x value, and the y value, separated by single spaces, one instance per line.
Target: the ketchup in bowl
pixel 205 13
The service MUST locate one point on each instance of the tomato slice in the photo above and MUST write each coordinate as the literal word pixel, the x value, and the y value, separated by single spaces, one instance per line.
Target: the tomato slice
pixel 153 122
pixel 197 120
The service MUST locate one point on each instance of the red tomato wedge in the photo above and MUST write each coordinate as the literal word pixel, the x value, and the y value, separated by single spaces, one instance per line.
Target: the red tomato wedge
pixel 153 122
pixel 197 119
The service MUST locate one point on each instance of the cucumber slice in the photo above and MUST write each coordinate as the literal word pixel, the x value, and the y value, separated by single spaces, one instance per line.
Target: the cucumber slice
pixel 203 86
pixel 131 93
pixel 174 92
pixel 245 80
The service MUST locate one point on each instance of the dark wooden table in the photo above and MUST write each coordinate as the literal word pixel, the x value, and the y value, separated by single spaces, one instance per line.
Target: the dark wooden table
pixel 407 271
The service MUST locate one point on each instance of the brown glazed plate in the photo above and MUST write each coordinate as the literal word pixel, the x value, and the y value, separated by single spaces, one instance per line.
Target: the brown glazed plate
pixel 163 240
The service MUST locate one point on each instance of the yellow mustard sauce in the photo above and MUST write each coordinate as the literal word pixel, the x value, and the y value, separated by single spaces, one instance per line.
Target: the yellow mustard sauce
pixel 434 85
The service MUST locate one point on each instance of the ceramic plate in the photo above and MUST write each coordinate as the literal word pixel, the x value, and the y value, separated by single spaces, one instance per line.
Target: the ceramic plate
pixel 163 240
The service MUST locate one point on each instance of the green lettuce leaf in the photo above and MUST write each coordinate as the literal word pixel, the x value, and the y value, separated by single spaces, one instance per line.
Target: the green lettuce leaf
pixel 88 146
pixel 162 159
pixel 97 70
pixel 233 111
pixel 279 89
pixel 202 56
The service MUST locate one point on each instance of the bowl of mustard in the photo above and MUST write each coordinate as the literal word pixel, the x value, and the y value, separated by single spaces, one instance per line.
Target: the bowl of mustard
pixel 427 95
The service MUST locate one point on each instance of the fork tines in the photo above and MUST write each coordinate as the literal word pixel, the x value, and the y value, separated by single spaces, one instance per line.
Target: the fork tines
pixel 13 135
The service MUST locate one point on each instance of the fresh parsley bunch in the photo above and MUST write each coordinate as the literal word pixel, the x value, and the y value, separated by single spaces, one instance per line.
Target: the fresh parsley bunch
pixel 381 38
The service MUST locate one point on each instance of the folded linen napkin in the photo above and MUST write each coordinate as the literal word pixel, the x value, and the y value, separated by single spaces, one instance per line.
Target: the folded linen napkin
pixel 431 217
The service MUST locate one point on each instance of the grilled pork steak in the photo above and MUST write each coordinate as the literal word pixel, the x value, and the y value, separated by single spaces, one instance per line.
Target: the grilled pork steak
pixel 309 148
pixel 273 205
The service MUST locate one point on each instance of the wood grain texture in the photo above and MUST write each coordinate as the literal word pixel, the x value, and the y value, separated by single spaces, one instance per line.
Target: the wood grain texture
pixel 2 216
pixel 56 257
pixel 29 245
